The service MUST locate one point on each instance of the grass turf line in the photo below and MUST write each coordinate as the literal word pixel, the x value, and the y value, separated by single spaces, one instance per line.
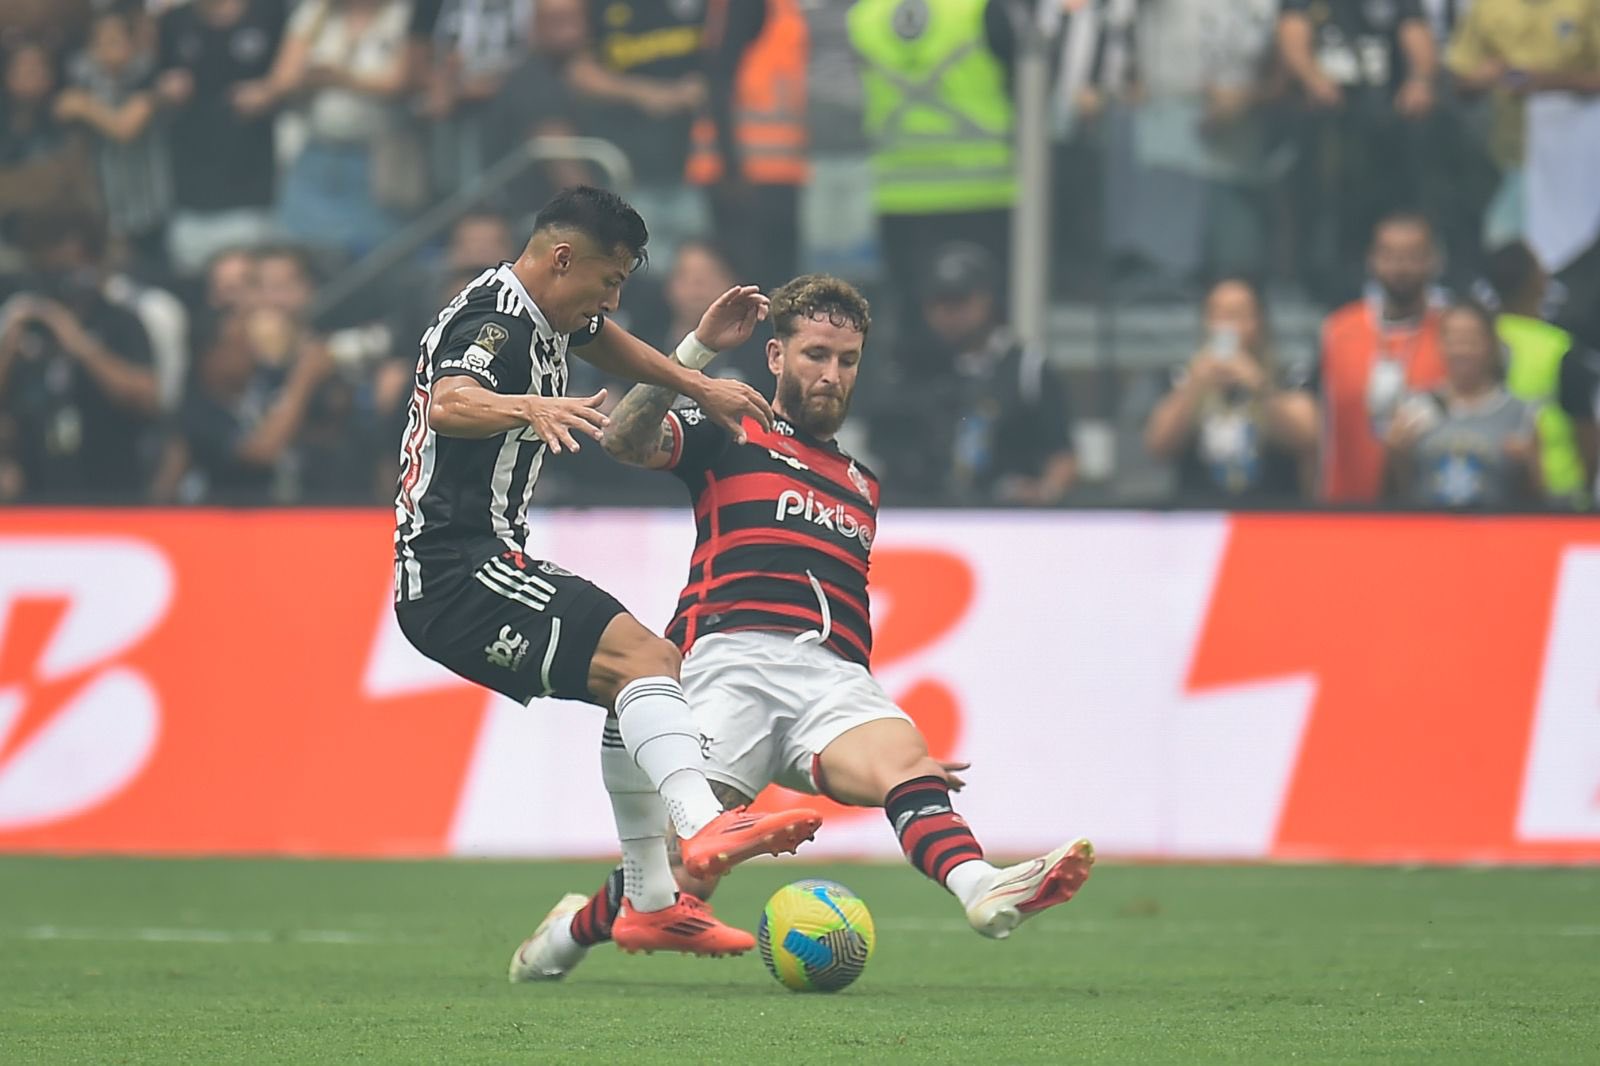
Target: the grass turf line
pixel 332 962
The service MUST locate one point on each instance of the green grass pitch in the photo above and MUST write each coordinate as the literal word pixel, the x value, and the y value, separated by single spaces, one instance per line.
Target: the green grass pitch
pixel 131 961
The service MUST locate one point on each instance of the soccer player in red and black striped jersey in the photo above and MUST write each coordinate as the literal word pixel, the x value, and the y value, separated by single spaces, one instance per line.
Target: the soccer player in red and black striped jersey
pixel 775 626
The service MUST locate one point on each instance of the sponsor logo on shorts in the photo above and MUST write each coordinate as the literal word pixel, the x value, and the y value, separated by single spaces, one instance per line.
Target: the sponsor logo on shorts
pixel 555 571
pixel 835 518
pixel 508 651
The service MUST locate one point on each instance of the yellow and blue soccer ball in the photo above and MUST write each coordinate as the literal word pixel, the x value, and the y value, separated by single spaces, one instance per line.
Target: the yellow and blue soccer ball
pixel 816 936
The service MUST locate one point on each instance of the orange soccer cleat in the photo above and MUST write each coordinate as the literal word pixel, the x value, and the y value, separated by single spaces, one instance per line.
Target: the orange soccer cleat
pixel 734 836
pixel 687 926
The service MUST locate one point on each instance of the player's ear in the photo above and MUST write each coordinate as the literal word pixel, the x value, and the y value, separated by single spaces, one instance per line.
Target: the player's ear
pixel 561 255
pixel 774 356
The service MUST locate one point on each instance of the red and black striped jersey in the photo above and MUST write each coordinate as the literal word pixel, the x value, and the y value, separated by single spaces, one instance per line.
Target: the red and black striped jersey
pixel 784 535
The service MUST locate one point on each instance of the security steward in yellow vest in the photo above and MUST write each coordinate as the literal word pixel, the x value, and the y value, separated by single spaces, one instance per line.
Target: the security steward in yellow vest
pixel 750 147
pixel 936 80
pixel 1547 366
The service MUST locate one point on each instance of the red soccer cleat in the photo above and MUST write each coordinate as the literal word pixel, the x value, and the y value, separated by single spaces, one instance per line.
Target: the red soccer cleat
pixel 687 926
pixel 734 836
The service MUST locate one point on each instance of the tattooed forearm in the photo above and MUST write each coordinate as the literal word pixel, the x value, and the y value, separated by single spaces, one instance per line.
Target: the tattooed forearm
pixel 635 433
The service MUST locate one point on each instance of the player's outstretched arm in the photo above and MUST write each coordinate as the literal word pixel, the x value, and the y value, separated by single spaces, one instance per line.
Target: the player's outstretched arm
pixel 729 321
pixel 639 433
pixel 461 407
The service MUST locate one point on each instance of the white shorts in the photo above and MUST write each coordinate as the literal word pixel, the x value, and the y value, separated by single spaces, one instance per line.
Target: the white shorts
pixel 766 706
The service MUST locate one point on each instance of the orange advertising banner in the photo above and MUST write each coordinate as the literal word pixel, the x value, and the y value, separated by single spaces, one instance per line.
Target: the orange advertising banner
pixel 1301 687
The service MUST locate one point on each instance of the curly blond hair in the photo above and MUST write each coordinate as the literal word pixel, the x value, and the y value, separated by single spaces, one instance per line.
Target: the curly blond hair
pixel 813 295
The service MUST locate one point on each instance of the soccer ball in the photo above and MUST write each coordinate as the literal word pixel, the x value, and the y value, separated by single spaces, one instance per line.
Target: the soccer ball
pixel 816 936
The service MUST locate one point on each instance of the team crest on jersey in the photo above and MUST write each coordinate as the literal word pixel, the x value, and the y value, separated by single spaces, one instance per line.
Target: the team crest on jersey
pixel 857 478
pixel 492 336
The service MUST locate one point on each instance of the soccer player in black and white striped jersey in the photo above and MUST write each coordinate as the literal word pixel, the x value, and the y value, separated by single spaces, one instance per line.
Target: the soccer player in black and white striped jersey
pixel 488 404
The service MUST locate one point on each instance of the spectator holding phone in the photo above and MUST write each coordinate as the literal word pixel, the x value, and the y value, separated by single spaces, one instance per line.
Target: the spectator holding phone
pixel 1468 444
pixel 1233 434
pixel 78 392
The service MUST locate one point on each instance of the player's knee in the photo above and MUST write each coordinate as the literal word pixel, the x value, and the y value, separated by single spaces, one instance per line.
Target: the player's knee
pixel 651 657
pixel 908 767
pixel 627 652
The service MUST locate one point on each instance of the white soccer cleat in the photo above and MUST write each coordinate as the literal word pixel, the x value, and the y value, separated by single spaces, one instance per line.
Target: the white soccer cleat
pixel 551 953
pixel 1021 891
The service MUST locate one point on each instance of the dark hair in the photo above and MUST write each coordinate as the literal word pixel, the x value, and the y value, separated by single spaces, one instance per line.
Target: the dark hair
pixel 480 214
pixel 40 231
pixel 232 251
pixel 1239 279
pixel 1511 267
pixel 1404 218
pixel 712 247
pixel 297 255
pixel 207 329
pixel 601 215
pixel 811 295
pixel 1267 356
pixel 1486 319
pixel 119 13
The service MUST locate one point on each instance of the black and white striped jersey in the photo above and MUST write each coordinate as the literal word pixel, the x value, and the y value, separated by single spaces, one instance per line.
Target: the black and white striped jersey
pixel 457 496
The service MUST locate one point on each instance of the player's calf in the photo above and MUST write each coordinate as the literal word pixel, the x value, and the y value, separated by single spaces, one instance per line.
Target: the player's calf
pixel 635 672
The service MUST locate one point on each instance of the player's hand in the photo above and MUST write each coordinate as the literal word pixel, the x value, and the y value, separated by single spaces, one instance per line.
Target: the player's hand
pixel 730 402
pixel 731 319
pixel 556 418
pixel 950 778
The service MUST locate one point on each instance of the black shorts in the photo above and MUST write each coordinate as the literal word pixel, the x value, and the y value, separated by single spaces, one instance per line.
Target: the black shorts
pixel 523 627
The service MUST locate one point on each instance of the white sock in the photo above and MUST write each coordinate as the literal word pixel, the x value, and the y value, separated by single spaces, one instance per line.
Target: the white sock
pixel 561 938
pixel 968 881
pixel 641 827
pixel 659 732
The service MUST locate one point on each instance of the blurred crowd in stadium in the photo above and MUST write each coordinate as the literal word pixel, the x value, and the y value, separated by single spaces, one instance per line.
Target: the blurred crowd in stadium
pixel 196 195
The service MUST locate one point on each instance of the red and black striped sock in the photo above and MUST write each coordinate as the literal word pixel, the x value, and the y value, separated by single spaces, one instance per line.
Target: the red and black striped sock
pixel 592 925
pixel 934 837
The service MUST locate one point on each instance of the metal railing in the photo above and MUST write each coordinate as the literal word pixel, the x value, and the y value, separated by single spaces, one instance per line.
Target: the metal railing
pixel 435 220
